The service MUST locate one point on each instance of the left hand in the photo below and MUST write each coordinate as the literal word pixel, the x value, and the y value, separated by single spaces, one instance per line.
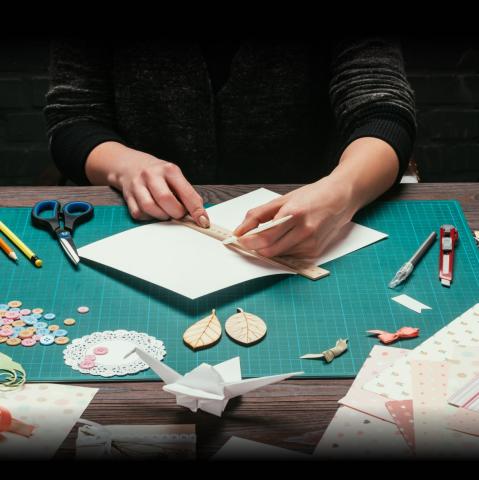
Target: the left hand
pixel 319 211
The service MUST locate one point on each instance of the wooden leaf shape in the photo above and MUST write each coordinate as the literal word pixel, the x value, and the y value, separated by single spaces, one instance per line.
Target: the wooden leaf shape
pixel 203 333
pixel 245 328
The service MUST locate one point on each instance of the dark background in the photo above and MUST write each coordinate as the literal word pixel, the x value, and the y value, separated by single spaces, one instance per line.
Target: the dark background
pixel 443 70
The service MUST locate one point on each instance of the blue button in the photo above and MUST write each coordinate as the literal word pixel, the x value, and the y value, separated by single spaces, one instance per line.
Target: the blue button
pixel 49 316
pixel 29 320
pixel 60 333
pixel 15 309
pixel 41 325
pixel 17 329
pixel 47 339
pixel 3 306
pixel 14 334
pixel 37 315
pixel 43 331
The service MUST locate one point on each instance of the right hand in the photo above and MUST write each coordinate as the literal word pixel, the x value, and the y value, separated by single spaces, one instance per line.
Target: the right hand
pixel 152 187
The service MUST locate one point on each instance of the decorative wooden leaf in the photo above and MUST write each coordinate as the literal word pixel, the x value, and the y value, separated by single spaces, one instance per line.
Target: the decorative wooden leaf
pixel 245 327
pixel 203 333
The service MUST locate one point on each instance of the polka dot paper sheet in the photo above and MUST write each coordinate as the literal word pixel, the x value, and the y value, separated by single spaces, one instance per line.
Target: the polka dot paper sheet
pixel 353 434
pixel 465 421
pixel 54 409
pixel 462 333
pixel 402 413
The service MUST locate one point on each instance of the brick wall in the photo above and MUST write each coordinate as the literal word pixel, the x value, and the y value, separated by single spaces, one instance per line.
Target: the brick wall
pixel 24 158
pixel 444 72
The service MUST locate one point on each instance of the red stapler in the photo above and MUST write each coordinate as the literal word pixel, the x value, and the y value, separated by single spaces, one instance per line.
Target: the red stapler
pixel 448 239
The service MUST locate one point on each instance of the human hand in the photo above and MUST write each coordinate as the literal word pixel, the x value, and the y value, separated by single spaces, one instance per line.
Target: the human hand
pixel 319 211
pixel 154 188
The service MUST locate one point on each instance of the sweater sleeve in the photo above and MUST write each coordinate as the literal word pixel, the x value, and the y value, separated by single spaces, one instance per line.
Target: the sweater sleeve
pixel 371 96
pixel 79 108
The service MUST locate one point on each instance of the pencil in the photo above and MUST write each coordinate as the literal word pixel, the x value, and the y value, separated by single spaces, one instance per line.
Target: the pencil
pixel 6 248
pixel 261 228
pixel 20 245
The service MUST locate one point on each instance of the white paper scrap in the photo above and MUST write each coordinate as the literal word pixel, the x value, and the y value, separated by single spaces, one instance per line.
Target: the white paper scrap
pixel 411 303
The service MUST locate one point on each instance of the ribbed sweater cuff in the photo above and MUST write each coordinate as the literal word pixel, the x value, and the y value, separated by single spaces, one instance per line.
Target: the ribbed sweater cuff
pixel 71 145
pixel 393 132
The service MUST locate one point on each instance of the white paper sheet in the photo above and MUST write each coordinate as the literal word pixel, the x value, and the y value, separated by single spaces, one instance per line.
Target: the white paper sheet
pixel 241 449
pixel 193 264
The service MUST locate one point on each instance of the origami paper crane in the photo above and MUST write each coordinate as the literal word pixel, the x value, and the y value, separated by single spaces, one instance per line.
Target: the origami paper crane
pixel 207 387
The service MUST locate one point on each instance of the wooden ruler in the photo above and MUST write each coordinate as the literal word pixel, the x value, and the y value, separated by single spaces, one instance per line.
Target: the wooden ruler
pixel 310 271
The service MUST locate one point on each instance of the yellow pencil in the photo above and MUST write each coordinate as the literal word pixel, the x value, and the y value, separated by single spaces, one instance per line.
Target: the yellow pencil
pixel 20 245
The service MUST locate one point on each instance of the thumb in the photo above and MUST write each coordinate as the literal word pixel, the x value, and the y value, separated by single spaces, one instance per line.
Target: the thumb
pixel 258 215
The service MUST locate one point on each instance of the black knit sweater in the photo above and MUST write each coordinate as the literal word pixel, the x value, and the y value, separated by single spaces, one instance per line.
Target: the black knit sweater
pixel 255 113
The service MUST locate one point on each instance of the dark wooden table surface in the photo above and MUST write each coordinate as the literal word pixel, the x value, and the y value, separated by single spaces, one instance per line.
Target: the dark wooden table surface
pixel 292 414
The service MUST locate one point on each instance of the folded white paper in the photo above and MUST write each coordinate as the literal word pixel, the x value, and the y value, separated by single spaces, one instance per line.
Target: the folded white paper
pixel 207 387
pixel 193 264
pixel 411 303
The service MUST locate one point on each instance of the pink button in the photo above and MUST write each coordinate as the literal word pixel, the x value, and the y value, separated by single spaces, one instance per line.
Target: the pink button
pixel 90 358
pixel 8 321
pixel 100 350
pixel 28 342
pixel 87 364
pixel 12 315
pixel 36 338
pixel 25 311
pixel 6 332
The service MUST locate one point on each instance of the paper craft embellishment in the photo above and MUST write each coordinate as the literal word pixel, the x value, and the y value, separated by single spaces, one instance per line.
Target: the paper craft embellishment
pixel 411 303
pixel 12 374
pixel 245 328
pixel 164 442
pixel 10 424
pixel 467 397
pixel 103 353
pixel 204 333
pixel 404 332
pixel 329 355
pixel 207 387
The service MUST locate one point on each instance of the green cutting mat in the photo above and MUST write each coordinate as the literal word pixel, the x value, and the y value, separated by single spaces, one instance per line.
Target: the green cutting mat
pixel 302 316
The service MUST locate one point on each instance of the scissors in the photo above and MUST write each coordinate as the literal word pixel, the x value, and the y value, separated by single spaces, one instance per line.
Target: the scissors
pixel 50 214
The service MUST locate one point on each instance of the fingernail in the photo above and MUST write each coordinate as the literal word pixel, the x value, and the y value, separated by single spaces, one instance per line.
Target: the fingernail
pixel 204 222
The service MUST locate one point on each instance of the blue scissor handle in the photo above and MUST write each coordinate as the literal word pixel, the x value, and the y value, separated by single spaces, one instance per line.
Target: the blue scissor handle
pixel 52 220
pixel 75 213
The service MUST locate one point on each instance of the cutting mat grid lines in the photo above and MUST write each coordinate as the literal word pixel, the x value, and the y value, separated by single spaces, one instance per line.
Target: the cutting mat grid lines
pixel 302 316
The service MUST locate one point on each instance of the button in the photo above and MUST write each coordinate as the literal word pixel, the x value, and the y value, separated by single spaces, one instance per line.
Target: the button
pixel 69 322
pixel 52 328
pixel 14 310
pixel 100 350
pixel 25 333
pixel 60 332
pixel 87 364
pixel 12 315
pixel 47 339
pixel 2 313
pixel 41 325
pixel 49 316
pixel 3 306
pixel 29 320
pixel 29 342
pixel 43 331
pixel 6 333
pixel 15 303
pixel 61 340
pixel 3 339
pixel 37 315
pixel 37 311
pixel 13 342
pixel 8 321
pixel 25 311
pixel 36 337
pixel 18 323
pixel 83 309
pixel 90 358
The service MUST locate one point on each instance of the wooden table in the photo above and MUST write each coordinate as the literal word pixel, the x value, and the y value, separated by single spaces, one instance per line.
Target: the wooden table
pixel 292 414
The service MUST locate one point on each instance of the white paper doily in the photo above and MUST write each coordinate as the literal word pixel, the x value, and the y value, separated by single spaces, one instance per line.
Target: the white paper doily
pixel 119 343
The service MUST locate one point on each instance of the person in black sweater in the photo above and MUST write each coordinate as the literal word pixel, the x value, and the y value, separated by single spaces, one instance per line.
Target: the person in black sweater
pixel 149 117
